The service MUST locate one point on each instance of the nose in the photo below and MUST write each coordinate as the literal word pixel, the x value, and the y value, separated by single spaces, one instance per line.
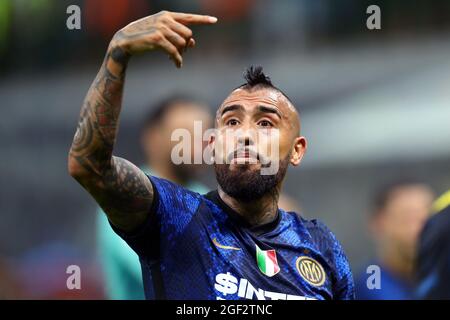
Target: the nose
pixel 246 137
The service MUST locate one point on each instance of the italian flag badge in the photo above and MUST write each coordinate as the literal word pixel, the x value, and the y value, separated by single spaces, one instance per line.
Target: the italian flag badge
pixel 267 261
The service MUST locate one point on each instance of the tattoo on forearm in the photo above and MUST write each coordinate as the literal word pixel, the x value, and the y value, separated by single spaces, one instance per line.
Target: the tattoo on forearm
pixel 120 56
pixel 117 185
pixel 96 132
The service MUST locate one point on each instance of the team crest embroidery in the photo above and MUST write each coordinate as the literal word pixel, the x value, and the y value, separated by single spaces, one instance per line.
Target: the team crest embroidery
pixel 311 271
pixel 267 261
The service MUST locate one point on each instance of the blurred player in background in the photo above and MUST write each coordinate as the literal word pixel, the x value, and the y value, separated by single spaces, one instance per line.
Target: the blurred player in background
pixel 433 259
pixel 399 212
pixel 120 264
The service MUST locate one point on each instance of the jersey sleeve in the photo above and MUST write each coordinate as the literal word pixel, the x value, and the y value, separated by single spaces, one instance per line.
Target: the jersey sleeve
pixel 172 209
pixel 343 284
pixel 344 288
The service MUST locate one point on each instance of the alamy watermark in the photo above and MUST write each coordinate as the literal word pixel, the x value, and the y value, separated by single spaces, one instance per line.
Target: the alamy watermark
pixel 73 281
pixel 73 21
pixel 374 279
pixel 227 146
pixel 374 20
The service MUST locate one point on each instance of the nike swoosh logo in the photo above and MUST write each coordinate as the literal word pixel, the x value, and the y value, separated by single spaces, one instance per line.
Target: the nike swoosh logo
pixel 218 245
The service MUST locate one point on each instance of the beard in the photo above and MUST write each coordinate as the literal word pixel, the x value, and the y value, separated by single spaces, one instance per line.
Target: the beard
pixel 244 184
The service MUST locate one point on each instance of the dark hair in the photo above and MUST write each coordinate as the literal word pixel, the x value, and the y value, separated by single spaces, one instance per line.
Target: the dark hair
pixel 384 193
pixel 255 77
pixel 159 110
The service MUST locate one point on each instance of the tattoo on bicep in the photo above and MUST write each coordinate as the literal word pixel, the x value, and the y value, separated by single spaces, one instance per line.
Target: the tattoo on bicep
pixel 127 179
pixel 127 188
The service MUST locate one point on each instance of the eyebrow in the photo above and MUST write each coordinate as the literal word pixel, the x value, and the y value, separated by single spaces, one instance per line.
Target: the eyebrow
pixel 232 108
pixel 263 109
pixel 270 110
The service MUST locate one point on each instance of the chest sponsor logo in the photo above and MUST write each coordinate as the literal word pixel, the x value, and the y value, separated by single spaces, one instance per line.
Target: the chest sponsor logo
pixel 311 271
pixel 228 285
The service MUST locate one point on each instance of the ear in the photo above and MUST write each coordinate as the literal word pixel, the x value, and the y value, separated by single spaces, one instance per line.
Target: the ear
pixel 298 150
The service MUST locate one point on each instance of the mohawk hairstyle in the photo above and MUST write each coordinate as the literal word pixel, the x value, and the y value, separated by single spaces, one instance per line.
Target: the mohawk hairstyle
pixel 255 77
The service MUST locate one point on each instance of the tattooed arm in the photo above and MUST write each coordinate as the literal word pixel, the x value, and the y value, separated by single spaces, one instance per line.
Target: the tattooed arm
pixel 120 188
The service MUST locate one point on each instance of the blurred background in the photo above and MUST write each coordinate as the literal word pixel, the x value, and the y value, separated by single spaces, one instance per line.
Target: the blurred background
pixel 375 107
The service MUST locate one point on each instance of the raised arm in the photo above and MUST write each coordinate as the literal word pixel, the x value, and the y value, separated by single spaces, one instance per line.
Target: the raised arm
pixel 120 188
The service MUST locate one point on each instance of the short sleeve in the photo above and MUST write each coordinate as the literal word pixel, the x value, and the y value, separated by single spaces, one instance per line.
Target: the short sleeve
pixel 344 288
pixel 172 209
pixel 343 284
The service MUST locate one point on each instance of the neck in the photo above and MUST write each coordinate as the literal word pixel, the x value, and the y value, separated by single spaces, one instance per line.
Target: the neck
pixel 255 212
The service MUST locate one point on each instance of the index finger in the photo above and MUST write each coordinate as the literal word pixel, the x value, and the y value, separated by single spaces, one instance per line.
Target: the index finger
pixel 188 18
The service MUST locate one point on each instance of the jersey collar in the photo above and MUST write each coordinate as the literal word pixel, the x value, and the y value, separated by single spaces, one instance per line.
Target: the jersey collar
pixel 237 218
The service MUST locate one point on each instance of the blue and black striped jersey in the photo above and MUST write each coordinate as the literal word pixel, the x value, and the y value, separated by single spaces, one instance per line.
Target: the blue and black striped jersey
pixel 196 247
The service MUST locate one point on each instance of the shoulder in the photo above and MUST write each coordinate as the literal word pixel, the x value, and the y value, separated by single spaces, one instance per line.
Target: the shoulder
pixel 442 202
pixel 435 238
pixel 330 249
pixel 324 240
pixel 172 194
pixel 322 237
pixel 173 205
pixel 436 228
pixel 433 258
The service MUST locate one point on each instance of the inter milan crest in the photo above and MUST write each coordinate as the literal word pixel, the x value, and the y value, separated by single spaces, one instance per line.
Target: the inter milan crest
pixel 311 271
pixel 267 261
